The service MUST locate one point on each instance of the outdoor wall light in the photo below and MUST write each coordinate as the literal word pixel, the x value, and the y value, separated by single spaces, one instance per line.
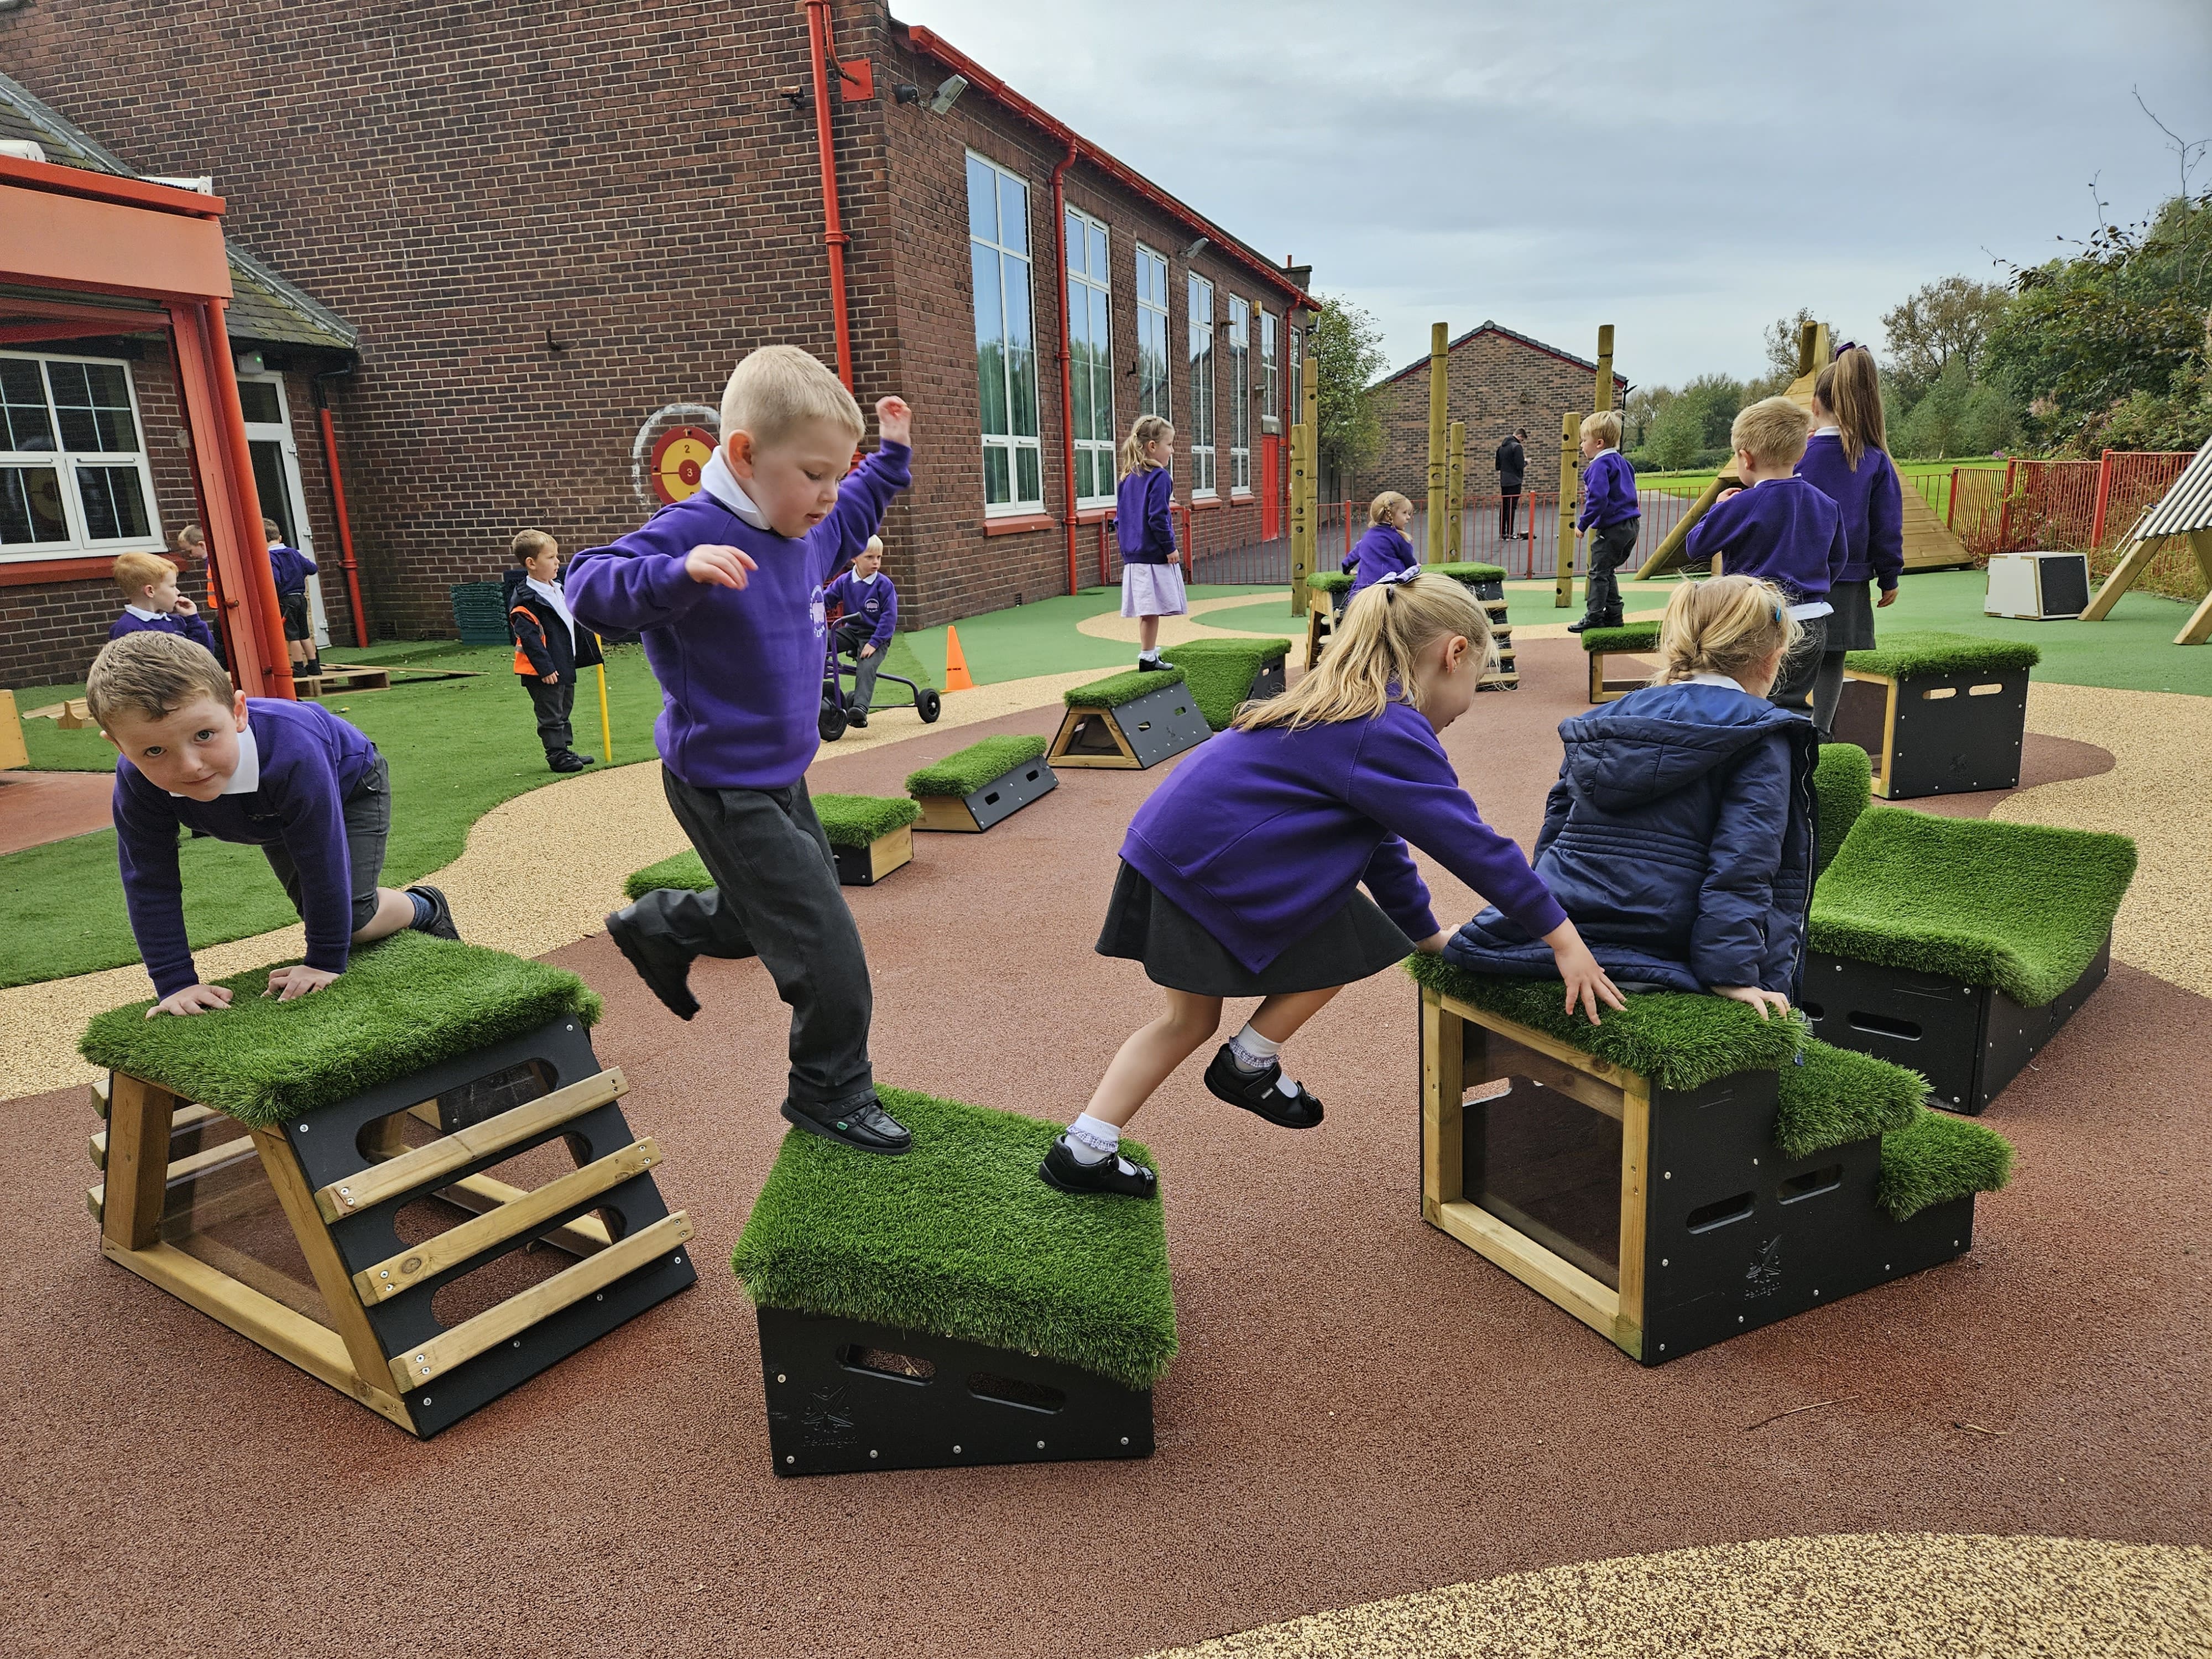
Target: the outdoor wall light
pixel 1196 248
pixel 948 93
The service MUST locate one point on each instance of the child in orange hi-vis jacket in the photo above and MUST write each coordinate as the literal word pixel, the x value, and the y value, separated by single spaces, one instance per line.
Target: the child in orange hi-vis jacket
pixel 550 646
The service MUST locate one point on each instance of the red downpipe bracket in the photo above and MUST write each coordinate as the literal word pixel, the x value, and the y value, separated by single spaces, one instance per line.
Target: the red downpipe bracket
pixel 345 529
pixel 833 231
pixel 1067 390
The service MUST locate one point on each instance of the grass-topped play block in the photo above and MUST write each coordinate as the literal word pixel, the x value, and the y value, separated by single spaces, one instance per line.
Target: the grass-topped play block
pixel 870 836
pixel 986 782
pixel 1841 791
pixel 1685 1171
pixel 947 1307
pixel 1938 713
pixel 386 1122
pixel 1959 946
pixel 1330 591
pixel 1607 682
pixel 1129 721
pixel 1224 674
pixel 1488 580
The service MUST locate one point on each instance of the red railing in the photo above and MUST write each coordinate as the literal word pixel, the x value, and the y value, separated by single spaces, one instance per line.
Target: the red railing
pixel 2061 506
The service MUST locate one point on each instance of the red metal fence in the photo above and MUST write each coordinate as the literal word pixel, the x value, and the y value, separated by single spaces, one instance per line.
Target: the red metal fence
pixel 2071 505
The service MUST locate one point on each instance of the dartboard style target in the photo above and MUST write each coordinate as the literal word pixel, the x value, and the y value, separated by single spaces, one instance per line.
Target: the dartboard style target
pixel 678 455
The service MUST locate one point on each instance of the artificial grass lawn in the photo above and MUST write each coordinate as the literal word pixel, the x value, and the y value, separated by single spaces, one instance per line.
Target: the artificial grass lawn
pixel 1915 653
pixel 1117 690
pixel 1639 637
pixel 2018 906
pixel 1219 673
pixel 960 1238
pixel 457 748
pixel 1042 637
pixel 847 820
pixel 966 770
pixel 1936 1157
pixel 1843 787
pixel 403 1004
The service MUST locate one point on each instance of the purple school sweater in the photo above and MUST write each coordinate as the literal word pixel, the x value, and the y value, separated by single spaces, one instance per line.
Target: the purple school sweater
pixel 877 601
pixel 309 759
pixel 1144 517
pixel 740 669
pixel 1383 551
pixel 291 568
pixel 1262 835
pixel 194 628
pixel 1783 530
pixel 1608 491
pixel 1872 502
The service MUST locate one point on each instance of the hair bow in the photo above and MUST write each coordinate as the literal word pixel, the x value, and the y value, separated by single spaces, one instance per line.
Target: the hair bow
pixel 1848 345
pixel 1396 580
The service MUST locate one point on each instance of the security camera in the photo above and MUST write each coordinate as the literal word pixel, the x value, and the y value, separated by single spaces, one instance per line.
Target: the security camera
pixel 948 93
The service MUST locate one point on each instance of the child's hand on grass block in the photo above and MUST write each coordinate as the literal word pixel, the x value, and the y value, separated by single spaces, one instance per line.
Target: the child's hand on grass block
pixel 1757 998
pixel 1588 984
pixel 895 421
pixel 287 984
pixel 192 999
pixel 718 566
pixel 1433 945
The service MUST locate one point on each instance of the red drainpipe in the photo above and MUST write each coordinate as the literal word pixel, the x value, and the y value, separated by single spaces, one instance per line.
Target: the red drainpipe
pixel 833 231
pixel 345 528
pixel 1066 391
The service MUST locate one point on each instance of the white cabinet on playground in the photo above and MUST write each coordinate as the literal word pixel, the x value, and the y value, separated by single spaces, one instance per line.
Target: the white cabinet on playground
pixel 2038 586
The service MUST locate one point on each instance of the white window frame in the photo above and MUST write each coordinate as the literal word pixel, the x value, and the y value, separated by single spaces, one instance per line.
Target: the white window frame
pixel 1152 319
pixel 1095 287
pixel 1198 326
pixel 1271 386
pixel 279 432
pixel 1014 444
pixel 66 462
pixel 1240 396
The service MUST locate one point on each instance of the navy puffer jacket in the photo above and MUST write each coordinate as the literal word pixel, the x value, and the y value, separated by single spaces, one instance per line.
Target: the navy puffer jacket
pixel 1679 839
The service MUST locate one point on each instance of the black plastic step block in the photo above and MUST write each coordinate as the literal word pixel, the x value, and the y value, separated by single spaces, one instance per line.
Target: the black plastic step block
pixel 1006 794
pixel 1938 734
pixel 846 1396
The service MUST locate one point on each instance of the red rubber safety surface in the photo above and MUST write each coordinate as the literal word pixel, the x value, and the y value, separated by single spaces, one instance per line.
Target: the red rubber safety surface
pixel 1362 1408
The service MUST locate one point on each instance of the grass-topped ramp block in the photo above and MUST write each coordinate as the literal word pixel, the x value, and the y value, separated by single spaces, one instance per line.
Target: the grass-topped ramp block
pixel 1608 683
pixel 1488 580
pixel 1684 1171
pixel 1224 674
pixel 947 1307
pixel 870 836
pixel 986 783
pixel 357 1227
pixel 1842 789
pixel 1129 721
pixel 1938 713
pixel 1960 946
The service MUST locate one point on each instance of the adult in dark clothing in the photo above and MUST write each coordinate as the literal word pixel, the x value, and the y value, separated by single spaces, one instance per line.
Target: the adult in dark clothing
pixel 1512 468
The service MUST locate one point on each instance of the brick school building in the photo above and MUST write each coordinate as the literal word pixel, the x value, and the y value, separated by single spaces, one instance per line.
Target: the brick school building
pixel 536 246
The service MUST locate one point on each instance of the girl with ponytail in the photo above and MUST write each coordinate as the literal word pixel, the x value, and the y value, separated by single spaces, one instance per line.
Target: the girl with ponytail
pixel 1847 459
pixel 1144 525
pixel 1384 550
pixel 1680 834
pixel 1240 877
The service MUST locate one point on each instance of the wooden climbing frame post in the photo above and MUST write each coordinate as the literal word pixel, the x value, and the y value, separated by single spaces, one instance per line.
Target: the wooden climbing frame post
pixel 1570 432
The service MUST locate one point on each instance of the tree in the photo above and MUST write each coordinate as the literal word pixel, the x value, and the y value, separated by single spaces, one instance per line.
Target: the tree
pixel 1637 415
pixel 1344 353
pixel 1677 434
pixel 1716 398
pixel 1781 339
pixel 1936 323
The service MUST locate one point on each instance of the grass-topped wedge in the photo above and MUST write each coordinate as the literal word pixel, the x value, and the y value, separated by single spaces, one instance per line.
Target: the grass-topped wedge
pixel 973 789
pixel 1128 720
pixel 1224 675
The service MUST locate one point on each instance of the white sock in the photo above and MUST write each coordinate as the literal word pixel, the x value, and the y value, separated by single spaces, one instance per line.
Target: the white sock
pixel 1093 1140
pixel 1252 1051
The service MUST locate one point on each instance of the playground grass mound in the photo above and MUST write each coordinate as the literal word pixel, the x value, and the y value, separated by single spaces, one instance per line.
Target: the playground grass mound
pixel 1912 653
pixel 403 1003
pixel 2018 906
pixel 847 820
pixel 1219 673
pixel 1937 1158
pixel 960 1238
pixel 966 770
pixel 1116 690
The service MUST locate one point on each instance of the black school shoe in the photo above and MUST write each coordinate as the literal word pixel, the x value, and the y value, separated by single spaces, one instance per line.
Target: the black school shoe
pixel 440 924
pixel 1061 1169
pixel 566 760
pixel 1255 1091
pixel 866 1128
pixel 855 718
pixel 666 970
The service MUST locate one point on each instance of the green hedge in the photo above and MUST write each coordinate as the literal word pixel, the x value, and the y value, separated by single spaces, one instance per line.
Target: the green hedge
pixel 1219 673
pixel 2017 906
pixel 1641 638
pixel 403 1003
pixel 1937 1158
pixel 1126 687
pixel 960 1238
pixel 966 770
pixel 1910 654
pixel 1843 787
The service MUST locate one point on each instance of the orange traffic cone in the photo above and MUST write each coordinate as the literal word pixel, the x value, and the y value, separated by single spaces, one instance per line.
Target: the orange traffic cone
pixel 956 664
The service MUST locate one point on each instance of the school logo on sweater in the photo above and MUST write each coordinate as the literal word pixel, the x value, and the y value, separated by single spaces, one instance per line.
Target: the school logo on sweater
pixel 816 612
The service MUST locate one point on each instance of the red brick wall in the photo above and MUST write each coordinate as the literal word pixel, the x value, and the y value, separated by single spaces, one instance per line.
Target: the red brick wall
pixel 1496 384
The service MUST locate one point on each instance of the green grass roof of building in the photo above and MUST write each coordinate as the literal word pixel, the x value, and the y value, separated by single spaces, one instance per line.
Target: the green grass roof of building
pixel 1633 637
pixel 1843 787
pixel 405 1002
pixel 1126 687
pixel 966 770
pixel 1936 1157
pixel 2018 906
pixel 1219 673
pixel 1910 654
pixel 959 1239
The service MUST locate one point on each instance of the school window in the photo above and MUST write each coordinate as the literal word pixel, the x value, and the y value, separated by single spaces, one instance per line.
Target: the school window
pixel 73 469
pixel 1240 397
pixel 1151 333
pixel 1090 358
pixel 1006 337
pixel 1199 323
pixel 1270 404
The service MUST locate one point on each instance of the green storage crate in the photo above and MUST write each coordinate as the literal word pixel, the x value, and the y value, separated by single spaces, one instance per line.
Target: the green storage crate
pixel 480 615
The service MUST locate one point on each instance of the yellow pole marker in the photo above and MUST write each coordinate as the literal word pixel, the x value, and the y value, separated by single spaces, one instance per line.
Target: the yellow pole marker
pixel 606 729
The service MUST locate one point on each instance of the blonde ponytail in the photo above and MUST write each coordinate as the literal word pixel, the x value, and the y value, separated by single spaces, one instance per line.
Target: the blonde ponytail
pixel 1724 625
pixel 1382 635
pixel 1146 429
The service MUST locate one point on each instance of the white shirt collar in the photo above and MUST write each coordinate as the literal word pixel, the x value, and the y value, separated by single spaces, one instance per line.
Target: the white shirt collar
pixel 1829 431
pixel 247 778
pixel 144 614
pixel 552 593
pixel 865 581
pixel 1711 679
pixel 718 481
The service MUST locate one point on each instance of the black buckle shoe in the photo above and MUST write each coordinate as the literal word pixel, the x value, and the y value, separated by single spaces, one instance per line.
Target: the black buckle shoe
pixel 1256 1092
pixel 1061 1169
pixel 1586 621
pixel 666 970
pixel 855 719
pixel 864 1127
pixel 440 924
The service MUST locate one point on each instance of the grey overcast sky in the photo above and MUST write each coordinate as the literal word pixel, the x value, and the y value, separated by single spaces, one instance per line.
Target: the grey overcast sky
pixel 1686 173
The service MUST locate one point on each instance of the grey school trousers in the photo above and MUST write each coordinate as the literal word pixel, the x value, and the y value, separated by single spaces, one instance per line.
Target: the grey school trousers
pixel 775 896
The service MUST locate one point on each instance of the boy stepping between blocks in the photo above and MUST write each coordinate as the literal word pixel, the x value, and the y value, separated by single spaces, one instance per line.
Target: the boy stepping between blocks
pixel 291 778
pixel 549 647
pixel 726 589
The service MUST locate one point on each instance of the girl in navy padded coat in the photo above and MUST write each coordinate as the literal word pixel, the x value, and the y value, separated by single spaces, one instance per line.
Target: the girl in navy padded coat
pixel 1679 838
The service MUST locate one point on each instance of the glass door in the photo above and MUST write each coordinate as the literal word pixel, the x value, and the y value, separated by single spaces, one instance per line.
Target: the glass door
pixel 277 477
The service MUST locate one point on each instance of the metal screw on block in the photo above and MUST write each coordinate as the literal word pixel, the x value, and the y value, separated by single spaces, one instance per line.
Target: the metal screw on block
pixel 1739 1319
pixel 1755 1162
pixel 384 1273
pixel 304 1127
pixel 1125 1439
pixel 1884 1266
pixel 345 1191
pixel 419 1358
pixel 871 1451
pixel 427 1401
pixel 790 1459
pixel 1667 1175
pixel 1662 1261
pixel 1040 1445
pixel 426 1370
pixel 1816 1290
pixel 779 1376
pixel 601 1297
pixel 956 1451
pixel 518 1341
pixel 1663 1348
pixel 677 1258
